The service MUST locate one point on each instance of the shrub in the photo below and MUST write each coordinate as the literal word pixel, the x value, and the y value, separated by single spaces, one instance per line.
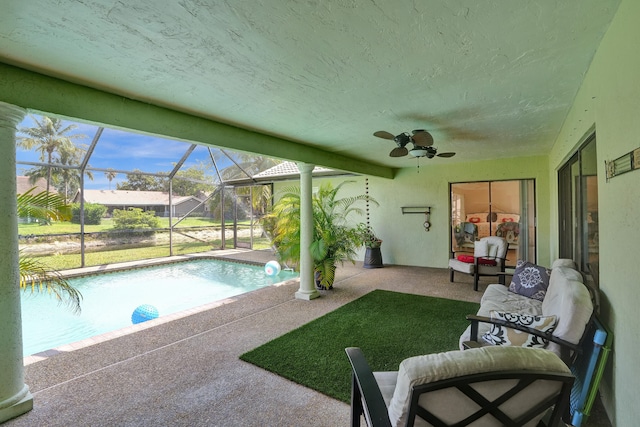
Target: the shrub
pixel 93 213
pixel 134 218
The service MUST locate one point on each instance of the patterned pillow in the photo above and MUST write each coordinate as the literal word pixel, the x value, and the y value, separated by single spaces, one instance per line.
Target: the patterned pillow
pixel 530 280
pixel 507 217
pixel 476 217
pixel 501 335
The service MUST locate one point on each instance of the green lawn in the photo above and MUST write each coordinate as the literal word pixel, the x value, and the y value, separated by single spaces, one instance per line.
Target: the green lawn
pixel 387 326
pixel 68 261
pixel 107 225
pixel 130 252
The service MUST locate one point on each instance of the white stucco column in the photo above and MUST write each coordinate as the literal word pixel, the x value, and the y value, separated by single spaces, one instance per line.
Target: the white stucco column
pixel 15 398
pixel 307 289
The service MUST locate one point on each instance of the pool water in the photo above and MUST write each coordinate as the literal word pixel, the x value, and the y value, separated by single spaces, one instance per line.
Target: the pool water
pixel 108 300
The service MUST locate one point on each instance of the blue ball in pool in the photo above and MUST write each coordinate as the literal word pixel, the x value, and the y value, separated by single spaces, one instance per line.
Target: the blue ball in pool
pixel 272 268
pixel 143 313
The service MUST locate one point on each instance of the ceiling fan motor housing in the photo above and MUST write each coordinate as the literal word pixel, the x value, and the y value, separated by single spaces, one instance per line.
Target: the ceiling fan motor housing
pixel 402 139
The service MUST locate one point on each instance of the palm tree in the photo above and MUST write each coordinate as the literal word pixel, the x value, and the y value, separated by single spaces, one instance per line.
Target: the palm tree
pixel 110 174
pixel 335 238
pixel 246 166
pixel 49 137
pixel 34 274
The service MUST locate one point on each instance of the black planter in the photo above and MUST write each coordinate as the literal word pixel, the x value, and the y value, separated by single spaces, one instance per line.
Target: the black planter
pixel 318 278
pixel 373 258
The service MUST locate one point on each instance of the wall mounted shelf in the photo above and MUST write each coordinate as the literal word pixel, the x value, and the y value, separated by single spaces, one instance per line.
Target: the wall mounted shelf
pixel 416 210
pixel 424 210
pixel 623 164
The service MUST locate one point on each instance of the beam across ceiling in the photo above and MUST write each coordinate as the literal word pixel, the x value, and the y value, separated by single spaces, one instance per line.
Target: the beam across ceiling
pixel 50 95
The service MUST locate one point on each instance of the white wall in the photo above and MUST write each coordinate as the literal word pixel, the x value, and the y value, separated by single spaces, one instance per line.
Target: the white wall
pixel 405 241
pixel 609 100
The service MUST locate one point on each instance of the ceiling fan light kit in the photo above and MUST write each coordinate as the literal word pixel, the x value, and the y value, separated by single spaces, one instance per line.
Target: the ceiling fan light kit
pixel 418 152
pixel 428 152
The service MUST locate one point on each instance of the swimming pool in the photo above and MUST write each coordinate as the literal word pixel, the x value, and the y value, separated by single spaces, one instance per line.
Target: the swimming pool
pixel 110 299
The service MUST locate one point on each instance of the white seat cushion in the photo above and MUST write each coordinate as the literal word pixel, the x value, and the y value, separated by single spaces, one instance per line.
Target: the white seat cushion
pixel 563 262
pixel 387 384
pixel 569 300
pixel 463 267
pixel 435 367
pixel 498 298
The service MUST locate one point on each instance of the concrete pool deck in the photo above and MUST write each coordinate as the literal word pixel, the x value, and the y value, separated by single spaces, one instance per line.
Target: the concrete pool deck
pixel 187 372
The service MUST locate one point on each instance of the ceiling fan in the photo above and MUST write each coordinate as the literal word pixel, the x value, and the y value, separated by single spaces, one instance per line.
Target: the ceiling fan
pixel 422 144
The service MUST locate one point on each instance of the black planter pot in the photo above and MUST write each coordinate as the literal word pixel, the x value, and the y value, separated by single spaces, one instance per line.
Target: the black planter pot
pixel 373 258
pixel 319 286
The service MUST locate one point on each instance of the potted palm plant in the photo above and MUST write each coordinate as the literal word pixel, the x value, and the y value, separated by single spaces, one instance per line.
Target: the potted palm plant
pixel 335 237
pixel 372 243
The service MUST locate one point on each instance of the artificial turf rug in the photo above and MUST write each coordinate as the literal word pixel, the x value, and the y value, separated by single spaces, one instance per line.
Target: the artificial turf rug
pixel 387 326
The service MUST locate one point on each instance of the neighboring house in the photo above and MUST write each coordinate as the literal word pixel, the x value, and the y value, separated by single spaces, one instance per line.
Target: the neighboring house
pixel 156 201
pixel 23 184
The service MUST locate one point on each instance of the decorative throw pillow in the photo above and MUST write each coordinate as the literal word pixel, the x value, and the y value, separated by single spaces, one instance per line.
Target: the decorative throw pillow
pixel 481 248
pixel 493 251
pixel 501 335
pixel 482 261
pixel 506 217
pixel 530 280
pixel 476 217
pixel 466 258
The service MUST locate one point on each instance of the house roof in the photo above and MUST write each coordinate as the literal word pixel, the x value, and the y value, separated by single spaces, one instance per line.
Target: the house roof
pixel 132 198
pixel 281 172
pixel 288 169
pixel 23 185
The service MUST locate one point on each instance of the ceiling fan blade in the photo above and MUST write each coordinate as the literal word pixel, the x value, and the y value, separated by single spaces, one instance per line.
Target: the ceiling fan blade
pixel 446 154
pixel 384 134
pixel 422 138
pixel 399 152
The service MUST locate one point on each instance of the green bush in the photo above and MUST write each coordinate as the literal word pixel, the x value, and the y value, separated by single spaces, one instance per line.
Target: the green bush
pixel 93 213
pixel 134 218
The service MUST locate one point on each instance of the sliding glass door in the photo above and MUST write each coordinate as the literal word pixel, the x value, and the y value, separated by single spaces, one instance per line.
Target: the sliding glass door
pixel 578 207
pixel 495 208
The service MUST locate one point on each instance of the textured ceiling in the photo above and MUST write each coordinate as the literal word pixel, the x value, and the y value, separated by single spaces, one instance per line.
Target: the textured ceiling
pixel 488 79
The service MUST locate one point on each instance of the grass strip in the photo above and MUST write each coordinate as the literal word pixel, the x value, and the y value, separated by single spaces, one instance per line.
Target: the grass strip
pixel 387 326
pixel 113 255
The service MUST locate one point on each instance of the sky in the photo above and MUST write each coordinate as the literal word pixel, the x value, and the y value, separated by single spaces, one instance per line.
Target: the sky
pixel 120 150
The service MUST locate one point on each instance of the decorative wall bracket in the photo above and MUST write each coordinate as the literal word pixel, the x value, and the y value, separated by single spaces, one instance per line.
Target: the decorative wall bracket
pixel 426 210
pixel 623 164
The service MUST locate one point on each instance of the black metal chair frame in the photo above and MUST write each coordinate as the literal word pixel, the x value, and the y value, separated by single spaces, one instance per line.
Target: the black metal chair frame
pixel 367 400
pixel 476 270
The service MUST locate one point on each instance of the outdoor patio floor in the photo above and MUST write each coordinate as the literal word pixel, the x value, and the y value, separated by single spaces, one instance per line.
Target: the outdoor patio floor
pixel 186 372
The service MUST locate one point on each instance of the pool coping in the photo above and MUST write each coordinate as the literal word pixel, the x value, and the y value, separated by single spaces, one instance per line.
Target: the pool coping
pixel 134 265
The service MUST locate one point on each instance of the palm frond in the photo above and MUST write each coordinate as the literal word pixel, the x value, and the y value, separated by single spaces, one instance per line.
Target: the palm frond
pixel 43 205
pixel 35 276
